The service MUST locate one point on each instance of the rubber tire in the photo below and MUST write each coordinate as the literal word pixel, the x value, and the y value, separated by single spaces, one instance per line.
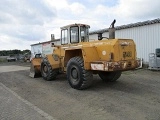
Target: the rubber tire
pixel 109 76
pixel 50 74
pixel 84 77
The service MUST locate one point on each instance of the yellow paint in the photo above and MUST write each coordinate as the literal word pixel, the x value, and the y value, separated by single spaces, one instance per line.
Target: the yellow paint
pixel 93 51
pixel 36 62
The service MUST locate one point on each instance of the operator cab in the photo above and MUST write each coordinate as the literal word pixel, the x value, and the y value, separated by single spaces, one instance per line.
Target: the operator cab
pixel 74 33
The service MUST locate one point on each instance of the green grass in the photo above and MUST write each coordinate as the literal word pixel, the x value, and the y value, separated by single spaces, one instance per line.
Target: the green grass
pixel 3 59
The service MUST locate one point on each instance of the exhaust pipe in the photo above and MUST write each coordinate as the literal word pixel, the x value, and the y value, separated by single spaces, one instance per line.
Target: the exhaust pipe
pixel 112 30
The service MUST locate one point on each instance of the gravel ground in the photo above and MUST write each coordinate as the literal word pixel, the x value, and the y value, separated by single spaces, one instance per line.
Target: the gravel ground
pixel 135 96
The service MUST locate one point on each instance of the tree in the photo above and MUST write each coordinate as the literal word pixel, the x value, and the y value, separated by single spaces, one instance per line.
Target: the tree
pixel 13 52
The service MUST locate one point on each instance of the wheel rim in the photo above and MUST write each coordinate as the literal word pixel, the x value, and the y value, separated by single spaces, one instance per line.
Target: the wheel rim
pixel 74 75
pixel 45 69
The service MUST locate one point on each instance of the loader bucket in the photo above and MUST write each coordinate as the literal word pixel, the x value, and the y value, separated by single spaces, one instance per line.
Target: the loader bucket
pixel 35 68
pixel 34 71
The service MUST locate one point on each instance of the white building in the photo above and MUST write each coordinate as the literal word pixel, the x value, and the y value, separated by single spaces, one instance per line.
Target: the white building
pixel 145 34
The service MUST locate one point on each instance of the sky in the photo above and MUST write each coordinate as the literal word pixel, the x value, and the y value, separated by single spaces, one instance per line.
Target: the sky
pixel 26 22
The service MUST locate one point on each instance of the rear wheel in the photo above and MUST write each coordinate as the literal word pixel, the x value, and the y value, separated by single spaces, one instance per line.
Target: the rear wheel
pixel 77 76
pixel 47 72
pixel 109 76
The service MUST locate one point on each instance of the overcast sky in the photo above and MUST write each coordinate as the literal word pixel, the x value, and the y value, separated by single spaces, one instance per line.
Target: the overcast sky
pixel 26 22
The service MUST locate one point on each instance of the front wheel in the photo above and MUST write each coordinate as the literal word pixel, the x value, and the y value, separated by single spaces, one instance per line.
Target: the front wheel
pixel 77 76
pixel 47 72
pixel 109 76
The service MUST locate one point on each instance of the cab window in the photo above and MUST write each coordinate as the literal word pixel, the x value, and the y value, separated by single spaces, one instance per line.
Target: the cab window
pixel 64 37
pixel 74 34
pixel 84 34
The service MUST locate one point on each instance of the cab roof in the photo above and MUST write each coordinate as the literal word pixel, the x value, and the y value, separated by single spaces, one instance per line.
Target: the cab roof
pixel 76 24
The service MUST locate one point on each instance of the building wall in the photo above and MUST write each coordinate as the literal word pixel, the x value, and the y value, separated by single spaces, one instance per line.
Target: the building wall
pixel 147 38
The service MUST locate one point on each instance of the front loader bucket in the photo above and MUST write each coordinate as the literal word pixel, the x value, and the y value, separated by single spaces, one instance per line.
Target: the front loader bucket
pixel 34 70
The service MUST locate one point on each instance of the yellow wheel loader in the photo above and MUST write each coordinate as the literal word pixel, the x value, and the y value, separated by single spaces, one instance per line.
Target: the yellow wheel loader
pixel 80 59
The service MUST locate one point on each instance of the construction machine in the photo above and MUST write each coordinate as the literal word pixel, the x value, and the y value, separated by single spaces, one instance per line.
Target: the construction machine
pixel 80 58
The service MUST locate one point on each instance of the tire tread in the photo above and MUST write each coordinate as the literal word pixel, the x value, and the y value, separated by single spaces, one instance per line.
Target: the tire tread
pixel 52 74
pixel 87 76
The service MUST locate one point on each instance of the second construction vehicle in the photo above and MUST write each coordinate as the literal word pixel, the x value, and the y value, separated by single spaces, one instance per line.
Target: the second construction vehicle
pixel 80 59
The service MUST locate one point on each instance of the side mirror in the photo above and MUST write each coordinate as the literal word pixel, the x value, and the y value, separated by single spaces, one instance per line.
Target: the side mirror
pixel 100 36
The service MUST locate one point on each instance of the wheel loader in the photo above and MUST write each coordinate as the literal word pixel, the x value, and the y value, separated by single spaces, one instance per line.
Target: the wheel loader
pixel 80 59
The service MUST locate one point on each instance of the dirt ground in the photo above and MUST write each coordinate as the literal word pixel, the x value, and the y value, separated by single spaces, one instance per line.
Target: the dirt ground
pixel 135 96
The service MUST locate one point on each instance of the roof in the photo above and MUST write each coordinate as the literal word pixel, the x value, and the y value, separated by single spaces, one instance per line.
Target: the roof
pixel 148 22
pixel 46 42
pixel 76 24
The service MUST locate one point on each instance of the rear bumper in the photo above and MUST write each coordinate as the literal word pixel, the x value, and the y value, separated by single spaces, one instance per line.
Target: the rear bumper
pixel 115 66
